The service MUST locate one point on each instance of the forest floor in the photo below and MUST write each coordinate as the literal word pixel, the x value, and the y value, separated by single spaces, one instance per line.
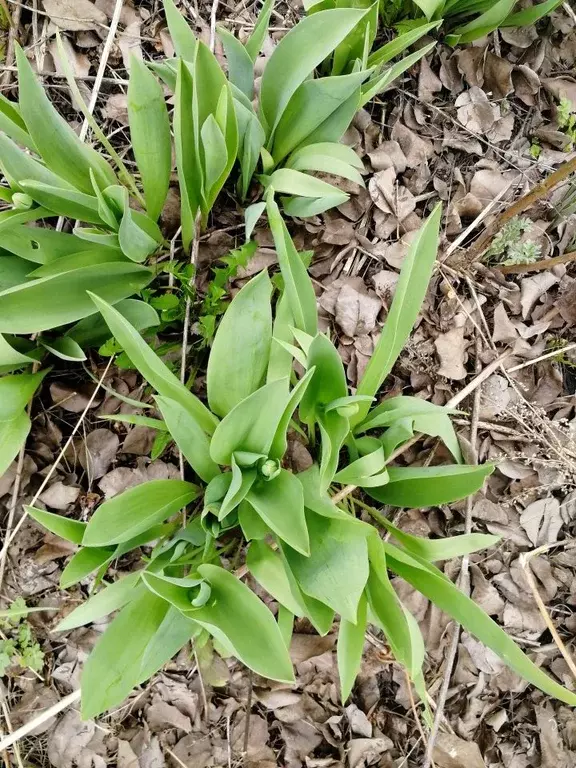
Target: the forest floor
pixel 475 128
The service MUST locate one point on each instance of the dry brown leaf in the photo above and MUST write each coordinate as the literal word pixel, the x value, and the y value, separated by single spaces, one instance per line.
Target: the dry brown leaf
pixel 470 62
pixel 389 196
pixel 116 108
pixel 161 716
pixel 59 496
pixel 359 723
pixel 80 64
pixel 38 698
pixel 487 184
pixel 542 521
pixel 475 111
pixel 125 756
pixel 357 310
pixel 75 15
pixel 365 752
pixel 551 747
pixel 304 647
pixel 388 155
pixel 526 84
pixel 416 149
pixel 139 440
pixel 428 83
pixel 68 743
pixel 504 328
pixel 73 400
pixel 98 451
pixel 561 87
pixel 451 349
pixel 532 288
pixel 452 752
pixel 497 76
pixel 495 397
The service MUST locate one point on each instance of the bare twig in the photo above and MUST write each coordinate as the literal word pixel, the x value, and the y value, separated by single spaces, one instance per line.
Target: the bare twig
pixel 464 583
pixel 522 204
pixel 6 714
pixel 248 708
pixel 47 714
pixel 13 503
pixel 525 563
pixel 213 12
pixel 11 48
pixel 536 266
pixel 547 356
pixel 11 537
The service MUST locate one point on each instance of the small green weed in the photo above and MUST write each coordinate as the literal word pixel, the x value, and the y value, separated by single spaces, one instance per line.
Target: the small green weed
pixel 507 247
pixel 18 646
pixel 566 115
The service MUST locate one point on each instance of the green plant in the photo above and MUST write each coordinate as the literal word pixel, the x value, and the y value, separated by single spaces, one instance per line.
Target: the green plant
pixel 301 117
pixel 507 246
pixel 566 116
pixel 464 21
pixel 18 648
pixel 316 558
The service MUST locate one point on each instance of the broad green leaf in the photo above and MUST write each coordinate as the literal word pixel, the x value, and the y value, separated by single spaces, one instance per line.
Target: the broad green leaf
pixel 189 437
pixel 280 442
pixel 367 471
pixel 63 202
pixel 351 639
pixel 298 54
pixel 397 46
pixel 289 182
pixel 61 149
pixel 215 153
pixel 280 360
pixel 304 207
pixel 93 330
pixel 52 301
pixel 329 379
pixel 115 665
pixel 529 16
pixel 485 23
pixel 389 612
pixel 12 358
pixel 182 36
pixel 242 622
pixel 431 7
pixel 251 138
pixel 353 50
pixel 13 436
pixel 280 503
pixel 328 157
pixel 18 165
pixel 110 598
pixel 252 525
pixel 441 549
pixel 134 418
pixel 393 408
pixel 186 133
pixel 336 125
pixel 410 292
pixel 176 591
pixel 442 592
pixel 151 367
pixel 41 245
pixel 256 39
pixel 173 634
pixel 134 511
pixel 150 135
pixel 83 563
pixel 336 571
pixel 240 65
pixel 65 348
pixel 419 487
pixel 334 429
pixel 251 425
pixel 12 124
pixel 312 103
pixel 135 241
pixel 16 391
pixel 244 334
pixel 75 261
pixel 268 569
pixel 297 284
pixel 321 616
pixel 242 480
pixel 66 528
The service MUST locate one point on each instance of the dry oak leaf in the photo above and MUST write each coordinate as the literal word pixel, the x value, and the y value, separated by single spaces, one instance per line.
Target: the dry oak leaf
pixel 75 15
pixel 475 112
pixel 415 149
pixel 451 349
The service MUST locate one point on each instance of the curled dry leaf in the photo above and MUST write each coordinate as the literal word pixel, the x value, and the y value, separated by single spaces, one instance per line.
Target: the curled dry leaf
pixel 451 349
pixel 416 149
pixel 75 15
pixel 475 111
pixel 98 451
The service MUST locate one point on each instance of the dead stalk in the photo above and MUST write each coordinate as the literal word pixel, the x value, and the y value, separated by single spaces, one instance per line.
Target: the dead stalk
pixel 537 266
pixel 525 563
pixel 11 48
pixel 47 714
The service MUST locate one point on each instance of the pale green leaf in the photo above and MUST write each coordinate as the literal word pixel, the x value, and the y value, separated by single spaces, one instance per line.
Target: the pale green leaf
pixel 151 367
pixel 136 510
pixel 351 639
pixel 182 36
pixel 150 135
pixel 244 334
pixel 65 527
pixel 110 598
pixel 240 65
pixel 280 503
pixel 268 569
pixel 83 563
pixel 13 436
pixel 256 39
pixel 16 391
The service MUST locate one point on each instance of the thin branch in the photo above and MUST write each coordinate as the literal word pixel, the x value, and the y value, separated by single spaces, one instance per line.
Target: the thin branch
pixel 536 266
pixel 11 48
pixel 39 720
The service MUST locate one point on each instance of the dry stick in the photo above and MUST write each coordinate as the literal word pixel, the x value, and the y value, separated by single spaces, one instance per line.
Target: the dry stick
pixel 11 537
pixel 525 563
pixel 464 584
pixel 99 77
pixel 58 76
pixel 537 266
pixel 213 12
pixel 6 713
pixel 11 49
pixel 539 191
pixel 452 403
pixel 47 714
